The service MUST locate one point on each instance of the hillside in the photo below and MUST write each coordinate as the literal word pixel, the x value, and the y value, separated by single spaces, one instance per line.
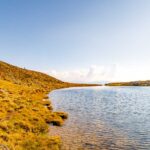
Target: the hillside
pixel 26 112
pixel 31 78
pixel 26 77
pixel 133 83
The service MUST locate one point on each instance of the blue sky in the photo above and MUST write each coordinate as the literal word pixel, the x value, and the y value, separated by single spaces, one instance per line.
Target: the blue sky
pixel 78 39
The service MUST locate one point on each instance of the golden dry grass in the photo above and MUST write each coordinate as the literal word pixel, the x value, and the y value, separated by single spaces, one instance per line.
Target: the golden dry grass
pixel 25 111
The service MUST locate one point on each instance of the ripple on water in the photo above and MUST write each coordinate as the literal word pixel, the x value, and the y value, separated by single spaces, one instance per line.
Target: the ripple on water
pixel 104 118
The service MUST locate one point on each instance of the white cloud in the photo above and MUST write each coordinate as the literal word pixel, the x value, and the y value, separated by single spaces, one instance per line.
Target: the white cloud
pixel 91 74
pixel 95 74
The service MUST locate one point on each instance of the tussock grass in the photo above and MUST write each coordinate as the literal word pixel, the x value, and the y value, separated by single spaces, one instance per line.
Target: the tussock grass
pixel 25 111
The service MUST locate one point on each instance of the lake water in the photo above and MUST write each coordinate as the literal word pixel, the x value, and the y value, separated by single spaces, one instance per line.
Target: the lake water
pixel 104 118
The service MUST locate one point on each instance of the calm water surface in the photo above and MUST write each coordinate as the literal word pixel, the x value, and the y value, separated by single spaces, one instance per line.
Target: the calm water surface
pixel 110 118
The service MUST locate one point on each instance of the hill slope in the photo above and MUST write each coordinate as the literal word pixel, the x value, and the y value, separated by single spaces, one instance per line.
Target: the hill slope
pixel 26 77
pixel 25 110
pixel 31 78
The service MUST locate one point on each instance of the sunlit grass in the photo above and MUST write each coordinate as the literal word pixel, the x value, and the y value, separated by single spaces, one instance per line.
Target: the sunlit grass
pixel 26 112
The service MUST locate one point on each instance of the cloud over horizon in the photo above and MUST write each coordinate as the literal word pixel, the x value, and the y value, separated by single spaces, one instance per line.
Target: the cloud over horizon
pixel 92 74
pixel 100 74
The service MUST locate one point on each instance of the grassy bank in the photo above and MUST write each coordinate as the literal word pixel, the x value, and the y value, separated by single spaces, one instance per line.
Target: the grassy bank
pixel 133 83
pixel 25 111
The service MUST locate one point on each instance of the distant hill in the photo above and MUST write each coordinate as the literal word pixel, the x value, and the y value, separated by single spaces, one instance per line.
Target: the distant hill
pixel 133 83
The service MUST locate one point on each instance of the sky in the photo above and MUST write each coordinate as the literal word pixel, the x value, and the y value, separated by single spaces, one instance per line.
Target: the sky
pixel 78 40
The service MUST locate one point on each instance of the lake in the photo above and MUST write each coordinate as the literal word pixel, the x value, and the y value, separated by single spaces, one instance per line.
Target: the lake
pixel 104 118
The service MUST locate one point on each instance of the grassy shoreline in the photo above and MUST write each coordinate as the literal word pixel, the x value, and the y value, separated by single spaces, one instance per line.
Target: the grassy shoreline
pixel 26 111
pixel 132 83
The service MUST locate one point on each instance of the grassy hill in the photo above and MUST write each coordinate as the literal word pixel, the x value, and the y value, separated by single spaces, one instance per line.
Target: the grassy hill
pixel 133 83
pixel 31 78
pixel 25 110
pixel 26 77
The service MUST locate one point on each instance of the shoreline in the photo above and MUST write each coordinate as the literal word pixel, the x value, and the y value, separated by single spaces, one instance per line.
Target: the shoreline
pixel 24 95
pixel 31 115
